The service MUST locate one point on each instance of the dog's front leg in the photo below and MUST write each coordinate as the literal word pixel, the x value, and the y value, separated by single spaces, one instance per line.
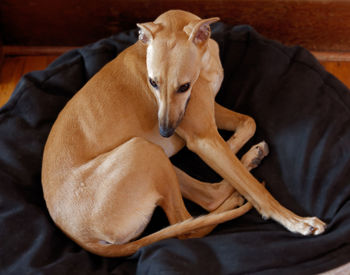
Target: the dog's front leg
pixel 243 125
pixel 210 196
pixel 217 154
pixel 209 145
pixel 250 160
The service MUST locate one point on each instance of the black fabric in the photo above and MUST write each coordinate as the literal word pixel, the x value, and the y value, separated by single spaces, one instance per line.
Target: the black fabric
pixel 303 113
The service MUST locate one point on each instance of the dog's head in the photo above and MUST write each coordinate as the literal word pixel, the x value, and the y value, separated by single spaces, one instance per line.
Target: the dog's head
pixel 176 48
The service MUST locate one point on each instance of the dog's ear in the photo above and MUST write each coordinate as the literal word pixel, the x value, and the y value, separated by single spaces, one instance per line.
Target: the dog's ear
pixel 146 32
pixel 199 32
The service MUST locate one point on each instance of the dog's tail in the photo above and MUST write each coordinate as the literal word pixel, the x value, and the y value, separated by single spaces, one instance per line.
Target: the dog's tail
pixel 119 250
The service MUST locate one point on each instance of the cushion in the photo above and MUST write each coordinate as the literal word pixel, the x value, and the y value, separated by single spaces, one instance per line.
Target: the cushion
pixel 301 111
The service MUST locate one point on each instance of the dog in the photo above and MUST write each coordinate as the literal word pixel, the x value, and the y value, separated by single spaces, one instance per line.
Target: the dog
pixel 106 161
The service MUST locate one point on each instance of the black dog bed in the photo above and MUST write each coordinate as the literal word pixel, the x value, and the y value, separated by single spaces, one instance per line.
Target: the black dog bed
pixel 303 113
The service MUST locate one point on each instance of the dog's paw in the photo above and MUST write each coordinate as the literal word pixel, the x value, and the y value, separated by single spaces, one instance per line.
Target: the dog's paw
pixel 255 155
pixel 307 226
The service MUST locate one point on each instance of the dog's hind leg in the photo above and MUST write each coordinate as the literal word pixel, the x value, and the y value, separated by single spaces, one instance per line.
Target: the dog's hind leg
pixel 211 195
pixel 118 191
pixel 208 195
pixel 228 201
pixel 164 180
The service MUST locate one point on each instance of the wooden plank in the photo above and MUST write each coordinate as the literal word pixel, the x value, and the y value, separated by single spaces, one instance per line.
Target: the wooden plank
pixel 34 50
pixel 332 56
pixel 1 52
pixel 10 73
pixel 340 69
pixel 315 24
pixel 14 68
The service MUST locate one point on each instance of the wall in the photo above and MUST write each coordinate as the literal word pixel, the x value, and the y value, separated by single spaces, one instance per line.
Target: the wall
pixel 315 24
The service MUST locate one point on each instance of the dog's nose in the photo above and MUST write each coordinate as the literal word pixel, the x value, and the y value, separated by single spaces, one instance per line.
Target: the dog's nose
pixel 166 132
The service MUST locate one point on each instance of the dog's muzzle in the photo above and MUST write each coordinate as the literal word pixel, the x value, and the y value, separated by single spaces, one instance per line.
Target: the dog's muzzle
pixel 166 132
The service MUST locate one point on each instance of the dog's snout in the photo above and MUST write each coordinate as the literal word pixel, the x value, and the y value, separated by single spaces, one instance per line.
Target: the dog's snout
pixel 166 131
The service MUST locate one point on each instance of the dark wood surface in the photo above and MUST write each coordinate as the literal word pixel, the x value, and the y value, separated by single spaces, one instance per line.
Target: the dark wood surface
pixel 314 24
pixel 1 53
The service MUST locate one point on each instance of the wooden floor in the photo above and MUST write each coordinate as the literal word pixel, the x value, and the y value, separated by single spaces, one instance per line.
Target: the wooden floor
pixel 14 67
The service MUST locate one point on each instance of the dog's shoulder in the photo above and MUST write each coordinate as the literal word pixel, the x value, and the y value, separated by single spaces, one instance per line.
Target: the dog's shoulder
pixel 131 60
pixel 135 54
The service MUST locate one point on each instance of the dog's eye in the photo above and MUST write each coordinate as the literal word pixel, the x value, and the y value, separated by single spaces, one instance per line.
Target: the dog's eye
pixel 184 88
pixel 153 83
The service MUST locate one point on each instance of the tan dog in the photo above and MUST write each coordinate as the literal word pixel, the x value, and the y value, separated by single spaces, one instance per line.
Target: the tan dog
pixel 106 167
